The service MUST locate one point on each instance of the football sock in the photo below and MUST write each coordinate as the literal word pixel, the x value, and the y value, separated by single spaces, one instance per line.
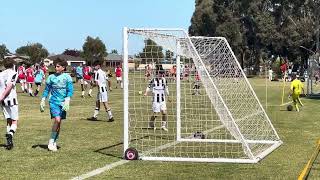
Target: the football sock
pixel 82 93
pixel 90 90
pixel 13 129
pixel 109 113
pixel 96 112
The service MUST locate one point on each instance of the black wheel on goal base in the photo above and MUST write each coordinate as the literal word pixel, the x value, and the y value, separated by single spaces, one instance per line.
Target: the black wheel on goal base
pixel 131 154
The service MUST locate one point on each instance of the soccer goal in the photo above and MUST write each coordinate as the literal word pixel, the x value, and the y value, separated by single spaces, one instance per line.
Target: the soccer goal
pixel 213 113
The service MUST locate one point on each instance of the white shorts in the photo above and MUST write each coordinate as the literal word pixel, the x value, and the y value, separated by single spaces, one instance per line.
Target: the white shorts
pixel 22 80
pixel 119 78
pixel 158 107
pixel 102 96
pixel 10 112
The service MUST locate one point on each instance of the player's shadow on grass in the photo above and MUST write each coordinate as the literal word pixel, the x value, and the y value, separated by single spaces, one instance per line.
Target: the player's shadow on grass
pixel 3 145
pixel 42 146
pixel 115 149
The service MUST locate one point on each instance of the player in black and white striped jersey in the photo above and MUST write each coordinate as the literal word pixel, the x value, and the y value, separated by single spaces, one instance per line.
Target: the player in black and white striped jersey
pixel 8 99
pixel 102 82
pixel 158 87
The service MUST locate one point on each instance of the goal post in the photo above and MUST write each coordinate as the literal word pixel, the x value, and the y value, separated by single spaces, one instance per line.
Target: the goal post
pixel 212 113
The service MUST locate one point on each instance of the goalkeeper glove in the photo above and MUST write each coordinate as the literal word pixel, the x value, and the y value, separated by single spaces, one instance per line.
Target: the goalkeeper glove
pixel 42 104
pixel 66 104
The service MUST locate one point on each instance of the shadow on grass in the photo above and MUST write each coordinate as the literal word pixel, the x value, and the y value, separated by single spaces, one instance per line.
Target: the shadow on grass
pixel 42 146
pixel 3 145
pixel 113 150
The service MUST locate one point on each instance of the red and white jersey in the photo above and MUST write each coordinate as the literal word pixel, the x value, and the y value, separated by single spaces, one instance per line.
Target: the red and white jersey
pixel 30 75
pixel 9 76
pixel 21 72
pixel 118 71
pixel 44 69
pixel 87 73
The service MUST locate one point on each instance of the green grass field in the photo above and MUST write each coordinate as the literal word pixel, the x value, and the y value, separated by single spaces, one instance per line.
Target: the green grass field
pixel 88 145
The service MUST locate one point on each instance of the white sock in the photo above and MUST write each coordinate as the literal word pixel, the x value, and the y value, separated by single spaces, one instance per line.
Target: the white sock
pixel 8 129
pixel 82 93
pixel 90 90
pixel 121 85
pixel 51 141
pixel 164 123
pixel 13 129
pixel 22 88
pixel 96 112
pixel 30 91
pixel 109 113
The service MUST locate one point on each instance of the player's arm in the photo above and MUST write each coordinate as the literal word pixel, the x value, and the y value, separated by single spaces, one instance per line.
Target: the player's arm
pixel 148 87
pixel 109 83
pixel 11 81
pixel 96 77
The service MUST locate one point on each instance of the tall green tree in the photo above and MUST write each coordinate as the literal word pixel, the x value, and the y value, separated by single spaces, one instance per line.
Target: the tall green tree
pixel 151 53
pixel 3 51
pixel 35 51
pixel 72 52
pixel 94 49
pixel 257 29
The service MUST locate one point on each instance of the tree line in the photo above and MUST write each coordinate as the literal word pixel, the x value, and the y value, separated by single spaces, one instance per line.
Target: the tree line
pixel 260 29
pixel 92 49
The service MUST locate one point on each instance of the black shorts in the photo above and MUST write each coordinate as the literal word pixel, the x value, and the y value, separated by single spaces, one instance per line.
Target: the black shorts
pixel 38 83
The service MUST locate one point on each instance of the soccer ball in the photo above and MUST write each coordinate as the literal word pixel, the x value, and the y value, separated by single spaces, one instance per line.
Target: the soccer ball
pixel 199 135
pixel 289 107
pixel 140 92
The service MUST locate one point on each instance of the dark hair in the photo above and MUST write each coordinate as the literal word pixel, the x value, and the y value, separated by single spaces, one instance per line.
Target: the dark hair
pixel 97 62
pixel 61 62
pixel 8 63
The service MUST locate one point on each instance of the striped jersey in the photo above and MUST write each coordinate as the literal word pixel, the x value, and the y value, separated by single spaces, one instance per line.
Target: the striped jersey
pixel 159 88
pixel 100 77
pixel 9 76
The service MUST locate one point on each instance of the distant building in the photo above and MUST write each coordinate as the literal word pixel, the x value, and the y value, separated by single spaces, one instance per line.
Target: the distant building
pixel 113 60
pixel 71 60
pixel 18 58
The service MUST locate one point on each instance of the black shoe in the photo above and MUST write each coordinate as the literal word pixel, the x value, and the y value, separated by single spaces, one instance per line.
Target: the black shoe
pixel 31 94
pixel 9 141
pixel 92 119
pixel 89 95
pixel 111 120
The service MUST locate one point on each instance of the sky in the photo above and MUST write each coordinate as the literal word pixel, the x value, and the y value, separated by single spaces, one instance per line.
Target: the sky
pixel 65 24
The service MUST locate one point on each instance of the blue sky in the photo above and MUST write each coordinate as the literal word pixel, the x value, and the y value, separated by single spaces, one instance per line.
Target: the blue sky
pixel 61 24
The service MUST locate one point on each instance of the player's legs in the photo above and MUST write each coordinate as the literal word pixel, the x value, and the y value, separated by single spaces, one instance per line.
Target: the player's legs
pixel 22 84
pixel 108 110
pixel 295 99
pixel 152 120
pixel 163 109
pixel 90 89
pixel 82 86
pixel 30 88
pixel 57 114
pixel 38 84
pixel 299 101
pixel 11 114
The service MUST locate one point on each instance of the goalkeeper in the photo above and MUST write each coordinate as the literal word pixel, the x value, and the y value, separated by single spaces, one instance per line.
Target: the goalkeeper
pixel 60 88
pixel 296 89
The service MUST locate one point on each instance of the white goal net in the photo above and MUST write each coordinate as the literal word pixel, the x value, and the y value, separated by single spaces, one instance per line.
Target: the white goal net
pixel 211 113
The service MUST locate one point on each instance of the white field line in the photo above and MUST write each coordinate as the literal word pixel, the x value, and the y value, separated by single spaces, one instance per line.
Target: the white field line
pixel 100 170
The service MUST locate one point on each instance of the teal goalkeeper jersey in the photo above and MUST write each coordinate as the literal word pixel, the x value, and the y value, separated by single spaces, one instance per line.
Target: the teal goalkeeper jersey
pixel 59 86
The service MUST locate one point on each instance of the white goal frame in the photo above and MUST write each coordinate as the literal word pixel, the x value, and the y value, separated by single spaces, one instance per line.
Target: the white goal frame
pixel 235 131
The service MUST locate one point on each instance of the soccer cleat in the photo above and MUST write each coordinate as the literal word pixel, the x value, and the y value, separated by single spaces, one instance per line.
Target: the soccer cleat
pixel 164 128
pixel 92 119
pixel 52 147
pixel 111 120
pixel 31 94
pixel 82 96
pixel 151 125
pixel 89 95
pixel 9 141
